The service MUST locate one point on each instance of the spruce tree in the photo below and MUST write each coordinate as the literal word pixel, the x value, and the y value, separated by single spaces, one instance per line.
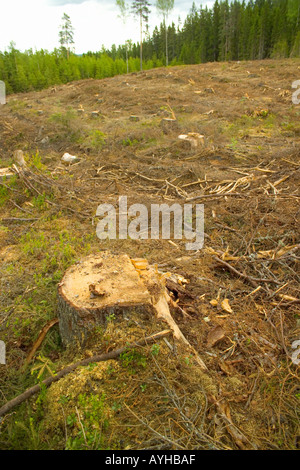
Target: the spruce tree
pixel 216 30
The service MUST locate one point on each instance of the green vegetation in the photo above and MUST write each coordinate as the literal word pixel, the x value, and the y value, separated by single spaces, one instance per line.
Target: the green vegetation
pixel 132 360
pixel 251 30
pixel 89 425
pixel 4 189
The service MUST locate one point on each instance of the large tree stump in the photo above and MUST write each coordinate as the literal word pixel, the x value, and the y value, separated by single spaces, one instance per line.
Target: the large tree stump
pixel 99 286
pixel 105 284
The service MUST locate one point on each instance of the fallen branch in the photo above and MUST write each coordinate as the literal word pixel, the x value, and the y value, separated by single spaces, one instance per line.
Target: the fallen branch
pixel 26 176
pixel 253 280
pixel 40 339
pixel 98 358
pixel 213 195
pixel 18 219
pixel 163 311
pixel 178 289
pixel 180 192
pixel 239 438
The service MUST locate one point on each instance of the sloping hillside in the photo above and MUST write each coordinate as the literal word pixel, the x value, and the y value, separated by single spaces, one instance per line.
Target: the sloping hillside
pixel 238 300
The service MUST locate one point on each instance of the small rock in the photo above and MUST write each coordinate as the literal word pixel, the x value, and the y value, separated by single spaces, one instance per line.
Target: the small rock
pixel 45 140
pixel 67 158
pixel 95 114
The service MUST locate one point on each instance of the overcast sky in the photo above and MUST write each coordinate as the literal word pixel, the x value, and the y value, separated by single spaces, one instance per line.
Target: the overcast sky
pixel 35 23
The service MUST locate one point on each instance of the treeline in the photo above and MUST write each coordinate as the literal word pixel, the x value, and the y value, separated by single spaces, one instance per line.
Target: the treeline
pixel 234 30
pixel 26 71
pixel 257 29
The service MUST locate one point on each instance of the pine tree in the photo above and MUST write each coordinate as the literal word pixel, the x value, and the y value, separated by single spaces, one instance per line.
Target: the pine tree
pixel 165 7
pixel 124 15
pixel 140 9
pixel 66 35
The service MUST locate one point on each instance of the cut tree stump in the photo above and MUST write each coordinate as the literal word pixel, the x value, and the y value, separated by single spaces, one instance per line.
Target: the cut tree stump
pixel 192 140
pixel 97 287
pixel 107 284
pixel 6 174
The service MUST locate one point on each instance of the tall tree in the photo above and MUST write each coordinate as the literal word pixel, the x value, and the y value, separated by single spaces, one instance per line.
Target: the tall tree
pixel 225 42
pixel 164 7
pixel 66 34
pixel 216 27
pixel 124 15
pixel 140 9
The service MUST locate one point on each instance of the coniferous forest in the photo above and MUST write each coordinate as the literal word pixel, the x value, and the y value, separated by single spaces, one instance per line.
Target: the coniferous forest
pixel 257 29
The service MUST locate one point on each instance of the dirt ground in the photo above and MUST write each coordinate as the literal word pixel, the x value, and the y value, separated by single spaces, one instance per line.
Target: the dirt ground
pixel 238 302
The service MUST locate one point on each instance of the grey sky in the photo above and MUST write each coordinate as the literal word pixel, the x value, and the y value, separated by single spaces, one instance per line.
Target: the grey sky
pixel 35 23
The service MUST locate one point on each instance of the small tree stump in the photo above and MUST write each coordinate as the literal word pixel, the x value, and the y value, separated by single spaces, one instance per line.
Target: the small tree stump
pixel 19 158
pixel 134 118
pixel 6 174
pixel 169 125
pixel 192 140
pixel 99 286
